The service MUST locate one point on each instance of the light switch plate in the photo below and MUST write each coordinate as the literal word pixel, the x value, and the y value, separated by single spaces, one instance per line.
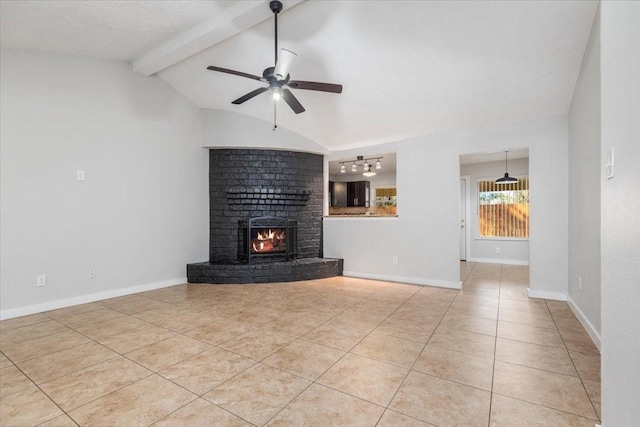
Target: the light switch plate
pixel 80 176
pixel 609 171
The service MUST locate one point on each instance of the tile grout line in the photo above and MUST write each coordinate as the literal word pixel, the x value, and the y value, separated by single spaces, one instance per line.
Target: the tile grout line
pixel 354 346
pixel 157 373
pixel 151 371
pixel 91 340
pixel 414 362
pixel 275 351
pixel 47 395
pixel 574 364
pixel 313 382
pixel 349 352
pixel 495 351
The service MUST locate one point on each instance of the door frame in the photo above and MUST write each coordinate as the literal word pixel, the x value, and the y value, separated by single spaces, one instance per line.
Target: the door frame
pixel 467 213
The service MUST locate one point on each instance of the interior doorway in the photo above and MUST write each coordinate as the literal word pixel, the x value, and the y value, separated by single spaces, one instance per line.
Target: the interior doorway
pixel 495 227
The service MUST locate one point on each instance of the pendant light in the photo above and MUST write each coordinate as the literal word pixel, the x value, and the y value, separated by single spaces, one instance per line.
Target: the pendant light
pixel 506 179
pixel 343 169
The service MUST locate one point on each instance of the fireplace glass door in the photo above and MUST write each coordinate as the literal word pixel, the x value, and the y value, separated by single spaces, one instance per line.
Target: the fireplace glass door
pixel 266 239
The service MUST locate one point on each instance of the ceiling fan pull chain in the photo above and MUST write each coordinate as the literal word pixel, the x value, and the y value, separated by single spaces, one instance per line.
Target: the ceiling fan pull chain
pixel 275 125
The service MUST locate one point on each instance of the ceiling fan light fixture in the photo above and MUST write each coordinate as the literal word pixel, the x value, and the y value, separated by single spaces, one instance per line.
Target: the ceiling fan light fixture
pixel 354 167
pixel 378 164
pixel 277 93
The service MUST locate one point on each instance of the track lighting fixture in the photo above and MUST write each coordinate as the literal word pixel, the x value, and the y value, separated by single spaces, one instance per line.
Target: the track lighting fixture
pixel 360 161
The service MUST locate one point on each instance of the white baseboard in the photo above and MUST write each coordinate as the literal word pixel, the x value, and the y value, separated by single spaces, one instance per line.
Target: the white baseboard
pixel 408 280
pixel 593 333
pixel 83 299
pixel 557 296
pixel 499 261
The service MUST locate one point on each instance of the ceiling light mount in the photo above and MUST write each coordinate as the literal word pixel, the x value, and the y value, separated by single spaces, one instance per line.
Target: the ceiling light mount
pixel 275 6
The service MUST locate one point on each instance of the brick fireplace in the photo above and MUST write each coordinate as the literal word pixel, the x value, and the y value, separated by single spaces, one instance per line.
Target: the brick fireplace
pixel 248 188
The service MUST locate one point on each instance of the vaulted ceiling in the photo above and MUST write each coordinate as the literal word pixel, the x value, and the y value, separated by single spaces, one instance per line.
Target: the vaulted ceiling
pixel 408 67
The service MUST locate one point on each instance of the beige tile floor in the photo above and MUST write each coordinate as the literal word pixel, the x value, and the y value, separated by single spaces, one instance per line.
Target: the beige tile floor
pixel 338 351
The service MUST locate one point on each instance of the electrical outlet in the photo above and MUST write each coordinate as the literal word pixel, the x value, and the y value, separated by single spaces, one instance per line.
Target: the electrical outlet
pixel 497 250
pixel 41 279
pixel 92 273
pixel 394 259
pixel 579 282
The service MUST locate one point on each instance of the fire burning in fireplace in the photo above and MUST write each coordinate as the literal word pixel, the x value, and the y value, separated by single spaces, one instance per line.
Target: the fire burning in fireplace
pixel 269 240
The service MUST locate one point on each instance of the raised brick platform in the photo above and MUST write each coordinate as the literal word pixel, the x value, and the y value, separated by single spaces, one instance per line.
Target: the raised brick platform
pixel 271 272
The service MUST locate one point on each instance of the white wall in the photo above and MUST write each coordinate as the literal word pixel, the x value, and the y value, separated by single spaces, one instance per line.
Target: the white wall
pixel 620 68
pixel 226 129
pixel 425 235
pixel 548 213
pixel 584 189
pixel 484 250
pixel 141 214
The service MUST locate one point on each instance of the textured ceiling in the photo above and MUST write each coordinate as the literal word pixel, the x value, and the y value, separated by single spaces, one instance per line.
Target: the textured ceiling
pixel 408 67
pixel 120 30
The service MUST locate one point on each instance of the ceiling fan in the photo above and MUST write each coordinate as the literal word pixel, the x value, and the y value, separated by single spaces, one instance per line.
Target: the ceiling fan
pixel 278 76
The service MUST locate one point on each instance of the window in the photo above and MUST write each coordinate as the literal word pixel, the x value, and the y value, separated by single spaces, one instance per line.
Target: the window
pixel 503 210
pixel 386 201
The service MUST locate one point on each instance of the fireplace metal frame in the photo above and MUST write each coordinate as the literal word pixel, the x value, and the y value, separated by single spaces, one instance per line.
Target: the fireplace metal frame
pixel 245 228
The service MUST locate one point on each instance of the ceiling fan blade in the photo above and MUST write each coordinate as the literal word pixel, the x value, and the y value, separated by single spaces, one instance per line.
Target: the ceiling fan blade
pixel 250 95
pixel 292 101
pixel 322 87
pixel 235 73
pixel 285 60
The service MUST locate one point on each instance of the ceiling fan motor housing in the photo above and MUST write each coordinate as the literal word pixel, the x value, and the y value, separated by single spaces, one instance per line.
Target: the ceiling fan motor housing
pixel 271 78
